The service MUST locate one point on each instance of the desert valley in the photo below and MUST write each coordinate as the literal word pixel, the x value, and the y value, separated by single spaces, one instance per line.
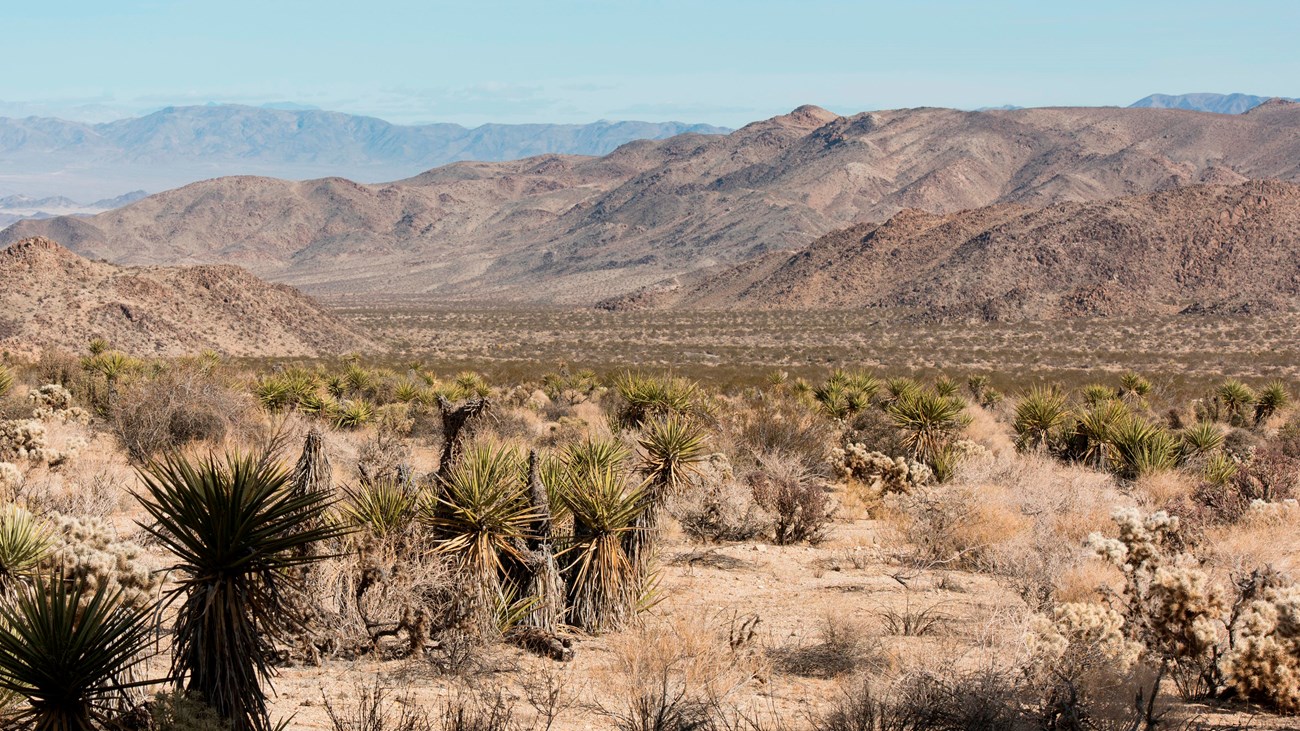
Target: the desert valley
pixel 911 419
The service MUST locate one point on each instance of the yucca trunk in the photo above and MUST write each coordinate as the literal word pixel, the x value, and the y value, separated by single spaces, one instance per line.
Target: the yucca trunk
pixel 544 587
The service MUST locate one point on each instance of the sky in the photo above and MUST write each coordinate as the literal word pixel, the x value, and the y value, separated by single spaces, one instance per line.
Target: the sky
pixel 715 61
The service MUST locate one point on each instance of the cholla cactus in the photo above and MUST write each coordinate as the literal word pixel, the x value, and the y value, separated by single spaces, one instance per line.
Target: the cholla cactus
pixel 90 550
pixel 1174 610
pixel 879 472
pixel 1080 637
pixel 1265 663
pixel 27 441
pixel 11 478
pixel 54 403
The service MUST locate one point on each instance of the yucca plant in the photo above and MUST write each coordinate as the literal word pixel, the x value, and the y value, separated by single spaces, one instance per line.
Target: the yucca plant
pixel 1273 397
pixel 976 384
pixel 596 454
pixel 927 421
pixel 1235 397
pixel 832 399
pixel 1220 469
pixel 1040 415
pixel 672 446
pixel 379 508
pixel 353 414
pixel 945 386
pixel 70 653
pixel 112 365
pixel 777 378
pixel 406 391
pixel 6 379
pixel 603 582
pixel 235 528
pixel 481 517
pixel 645 396
pixel 1134 386
pixel 1138 448
pixel 24 544
pixel 274 394
pixel 97 346
pixel 359 381
pixel 1201 438
pixel 1095 394
pixel 900 387
pixel 1090 437
pixel 468 384
pixel 336 386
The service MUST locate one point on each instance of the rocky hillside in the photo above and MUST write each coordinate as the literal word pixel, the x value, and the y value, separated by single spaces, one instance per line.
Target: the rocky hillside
pixel 577 230
pixel 1225 249
pixel 50 297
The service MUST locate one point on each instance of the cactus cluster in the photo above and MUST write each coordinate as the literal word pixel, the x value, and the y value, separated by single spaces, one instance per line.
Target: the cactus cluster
pixel 881 473
pixel 89 550
pixel 1265 661
pixel 53 402
pixel 26 440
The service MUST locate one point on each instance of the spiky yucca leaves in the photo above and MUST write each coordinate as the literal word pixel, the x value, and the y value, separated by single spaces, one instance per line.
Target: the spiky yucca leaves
pixel 1273 397
pixel 6 379
pixel 945 385
pixel 1201 438
pixel 602 581
pixel 1134 386
pixel 407 391
pixel 70 653
pixel 481 518
pixel 1040 414
pixel 595 454
pixel 927 421
pixel 644 396
pixel 379 508
pixel 353 414
pixel 1095 394
pixel 1138 448
pixel 235 528
pixel 1220 469
pixel 358 381
pixel 1234 397
pixel 1090 436
pixel 672 445
pixel 900 387
pixel 845 393
pixel 467 385
pixel 25 541
pixel 113 366
pixel 977 384
pixel 97 346
pixel 291 389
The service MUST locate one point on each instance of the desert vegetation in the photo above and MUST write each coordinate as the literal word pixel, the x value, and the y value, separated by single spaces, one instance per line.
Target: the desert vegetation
pixel 360 544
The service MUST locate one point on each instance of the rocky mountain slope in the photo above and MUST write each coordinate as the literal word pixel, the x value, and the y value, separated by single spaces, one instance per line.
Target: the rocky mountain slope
pixel 577 230
pixel 1225 249
pixel 50 297
pixel 179 145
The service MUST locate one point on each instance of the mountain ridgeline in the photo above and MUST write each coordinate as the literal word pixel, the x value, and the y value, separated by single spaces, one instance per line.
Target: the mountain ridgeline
pixel 665 215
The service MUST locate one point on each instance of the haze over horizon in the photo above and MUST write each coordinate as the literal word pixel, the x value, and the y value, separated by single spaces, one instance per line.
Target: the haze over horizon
pixel 576 61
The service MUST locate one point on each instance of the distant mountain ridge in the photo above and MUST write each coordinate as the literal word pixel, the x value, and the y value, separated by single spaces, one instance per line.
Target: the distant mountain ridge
pixel 180 145
pixel 1205 102
pixel 578 230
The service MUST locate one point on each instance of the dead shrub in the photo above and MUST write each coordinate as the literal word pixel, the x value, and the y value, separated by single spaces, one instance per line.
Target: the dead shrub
pixel 177 406
pixel 841 648
pixel 799 502
pixel 778 425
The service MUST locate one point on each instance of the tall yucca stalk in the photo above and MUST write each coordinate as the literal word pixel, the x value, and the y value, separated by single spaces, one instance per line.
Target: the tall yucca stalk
pixel 481 518
pixel 1040 414
pixel 70 652
pixel 928 421
pixel 603 582
pixel 236 528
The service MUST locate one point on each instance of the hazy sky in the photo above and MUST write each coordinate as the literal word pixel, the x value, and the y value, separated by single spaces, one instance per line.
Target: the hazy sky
pixel 716 61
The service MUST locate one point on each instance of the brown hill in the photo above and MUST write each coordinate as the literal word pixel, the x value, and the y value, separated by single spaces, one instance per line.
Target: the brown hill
pixel 577 230
pixel 50 297
pixel 1233 248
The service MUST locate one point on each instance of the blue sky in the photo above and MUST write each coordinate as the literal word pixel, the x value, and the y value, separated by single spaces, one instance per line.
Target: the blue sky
pixel 716 61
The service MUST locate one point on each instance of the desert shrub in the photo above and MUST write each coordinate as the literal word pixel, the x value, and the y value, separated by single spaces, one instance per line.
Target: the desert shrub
pixel 798 501
pixel 840 648
pixel 177 406
pixel 377 709
pixel 1269 476
pixel 718 507
pixel 876 431
pixel 1288 437
pixel 176 711
pixel 777 424
pixel 11 480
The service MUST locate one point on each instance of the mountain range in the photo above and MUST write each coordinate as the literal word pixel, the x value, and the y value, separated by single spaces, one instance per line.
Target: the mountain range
pixel 578 230
pixel 178 145
pixel 1204 102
